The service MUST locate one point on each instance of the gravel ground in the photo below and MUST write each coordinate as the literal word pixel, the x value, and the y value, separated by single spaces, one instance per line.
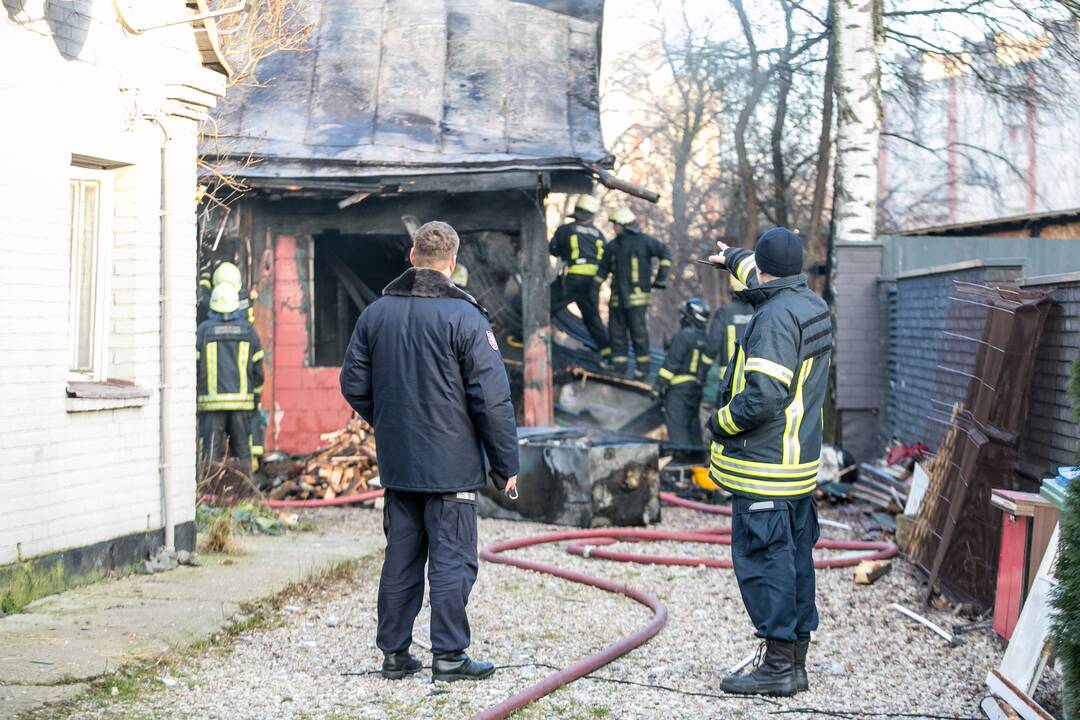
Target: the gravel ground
pixel 866 657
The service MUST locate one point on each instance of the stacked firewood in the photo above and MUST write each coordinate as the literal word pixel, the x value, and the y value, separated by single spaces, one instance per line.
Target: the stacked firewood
pixel 343 466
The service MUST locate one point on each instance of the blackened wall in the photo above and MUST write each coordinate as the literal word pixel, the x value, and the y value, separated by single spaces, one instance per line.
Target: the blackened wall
pixel 1051 435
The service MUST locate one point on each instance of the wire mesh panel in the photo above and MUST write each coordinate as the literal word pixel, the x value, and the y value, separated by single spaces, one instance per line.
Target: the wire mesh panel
pixel 989 340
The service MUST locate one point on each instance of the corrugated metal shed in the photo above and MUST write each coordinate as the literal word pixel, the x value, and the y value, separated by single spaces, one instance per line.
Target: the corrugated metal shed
pixel 403 87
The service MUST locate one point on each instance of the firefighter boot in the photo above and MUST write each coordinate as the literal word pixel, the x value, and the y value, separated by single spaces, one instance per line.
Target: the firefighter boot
pixel 448 667
pixel 774 674
pixel 399 664
pixel 801 681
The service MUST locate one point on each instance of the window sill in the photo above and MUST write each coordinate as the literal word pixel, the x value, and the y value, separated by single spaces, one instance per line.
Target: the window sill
pixel 111 395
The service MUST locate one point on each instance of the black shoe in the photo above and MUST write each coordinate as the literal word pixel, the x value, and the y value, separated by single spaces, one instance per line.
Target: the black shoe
pixel 397 665
pixel 774 674
pixel 448 667
pixel 801 681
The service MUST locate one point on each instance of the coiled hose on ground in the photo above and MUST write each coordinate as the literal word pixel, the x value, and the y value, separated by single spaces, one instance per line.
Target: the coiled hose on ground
pixel 587 543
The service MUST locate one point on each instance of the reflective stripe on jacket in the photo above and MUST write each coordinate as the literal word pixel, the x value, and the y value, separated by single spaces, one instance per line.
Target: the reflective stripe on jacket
pixel 629 260
pixel 687 359
pixel 767 432
pixel 726 328
pixel 580 246
pixel 229 358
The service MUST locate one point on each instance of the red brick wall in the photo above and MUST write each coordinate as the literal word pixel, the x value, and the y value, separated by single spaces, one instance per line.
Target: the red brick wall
pixel 303 401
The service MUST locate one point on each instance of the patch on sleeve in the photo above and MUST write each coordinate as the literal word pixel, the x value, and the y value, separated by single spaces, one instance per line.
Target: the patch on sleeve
pixel 491 341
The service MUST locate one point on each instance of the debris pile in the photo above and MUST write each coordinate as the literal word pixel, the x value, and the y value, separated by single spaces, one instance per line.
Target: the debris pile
pixel 345 465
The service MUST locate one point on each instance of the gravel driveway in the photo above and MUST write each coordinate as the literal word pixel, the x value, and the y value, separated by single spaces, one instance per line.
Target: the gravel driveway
pixel 866 658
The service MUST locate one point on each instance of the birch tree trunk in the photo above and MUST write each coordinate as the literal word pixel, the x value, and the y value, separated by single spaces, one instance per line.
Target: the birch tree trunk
pixel 858 106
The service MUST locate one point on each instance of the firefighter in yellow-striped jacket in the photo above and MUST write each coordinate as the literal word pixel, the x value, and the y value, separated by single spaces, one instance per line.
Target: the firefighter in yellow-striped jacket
pixel 765 451
pixel 230 375
pixel 629 260
pixel 580 246
pixel 679 383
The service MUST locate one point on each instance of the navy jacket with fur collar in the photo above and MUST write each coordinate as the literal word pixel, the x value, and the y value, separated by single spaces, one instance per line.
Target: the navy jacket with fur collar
pixel 423 368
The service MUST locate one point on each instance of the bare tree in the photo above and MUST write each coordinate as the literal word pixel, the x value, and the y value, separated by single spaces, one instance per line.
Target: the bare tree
pixel 247 39
pixel 858 103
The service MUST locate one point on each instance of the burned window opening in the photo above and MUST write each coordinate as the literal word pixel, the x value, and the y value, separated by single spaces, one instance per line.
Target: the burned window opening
pixel 350 272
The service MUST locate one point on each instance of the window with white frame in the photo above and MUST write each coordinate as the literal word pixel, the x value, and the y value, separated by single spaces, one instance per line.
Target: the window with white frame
pixel 91 245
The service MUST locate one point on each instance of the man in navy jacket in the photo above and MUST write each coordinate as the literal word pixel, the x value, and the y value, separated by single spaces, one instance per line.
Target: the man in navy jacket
pixel 423 368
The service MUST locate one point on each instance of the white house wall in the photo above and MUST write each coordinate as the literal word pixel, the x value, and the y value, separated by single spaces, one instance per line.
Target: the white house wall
pixel 991 152
pixel 75 471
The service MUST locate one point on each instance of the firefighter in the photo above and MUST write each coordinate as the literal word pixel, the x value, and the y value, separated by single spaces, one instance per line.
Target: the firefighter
pixel 228 273
pixel 682 376
pixel 628 258
pixel 230 376
pixel 726 327
pixel 766 449
pixel 424 369
pixel 581 247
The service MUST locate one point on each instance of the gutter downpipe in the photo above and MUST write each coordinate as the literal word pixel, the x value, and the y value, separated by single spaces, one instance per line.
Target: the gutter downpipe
pixel 164 330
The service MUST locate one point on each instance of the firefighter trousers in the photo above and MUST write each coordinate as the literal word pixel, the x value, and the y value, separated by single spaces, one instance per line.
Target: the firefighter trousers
pixel 772 544
pixel 583 291
pixel 439 531
pixel 682 413
pixel 216 427
pixel 624 321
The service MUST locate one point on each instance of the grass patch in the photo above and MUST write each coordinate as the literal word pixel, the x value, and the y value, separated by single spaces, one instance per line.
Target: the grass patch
pixel 219 535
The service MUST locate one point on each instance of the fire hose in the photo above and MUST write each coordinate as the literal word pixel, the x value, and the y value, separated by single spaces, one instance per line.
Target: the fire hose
pixel 587 543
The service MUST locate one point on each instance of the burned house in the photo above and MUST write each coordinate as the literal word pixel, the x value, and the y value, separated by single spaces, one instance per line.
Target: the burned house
pixel 402 112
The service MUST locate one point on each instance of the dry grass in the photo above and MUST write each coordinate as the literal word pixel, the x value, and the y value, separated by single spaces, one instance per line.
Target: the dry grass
pixel 220 536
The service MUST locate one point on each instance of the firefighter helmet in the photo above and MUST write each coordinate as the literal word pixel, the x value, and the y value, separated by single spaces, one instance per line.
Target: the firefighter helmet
pixel 696 311
pixel 587 204
pixel 228 274
pixel 460 276
pixel 225 298
pixel 622 216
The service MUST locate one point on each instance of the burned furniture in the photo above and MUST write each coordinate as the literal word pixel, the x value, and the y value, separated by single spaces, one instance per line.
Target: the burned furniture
pixel 569 477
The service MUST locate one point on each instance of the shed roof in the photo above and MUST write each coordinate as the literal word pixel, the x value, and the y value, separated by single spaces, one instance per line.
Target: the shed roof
pixel 402 87
pixel 1028 224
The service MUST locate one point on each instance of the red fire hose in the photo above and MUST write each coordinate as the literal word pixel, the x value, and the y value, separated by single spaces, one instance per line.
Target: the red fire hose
pixel 585 542
pixel 283 504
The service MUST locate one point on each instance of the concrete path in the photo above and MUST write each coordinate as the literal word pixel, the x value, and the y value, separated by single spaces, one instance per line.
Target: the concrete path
pixel 49 652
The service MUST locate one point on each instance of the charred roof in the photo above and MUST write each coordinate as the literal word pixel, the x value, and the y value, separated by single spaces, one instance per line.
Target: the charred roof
pixel 418 87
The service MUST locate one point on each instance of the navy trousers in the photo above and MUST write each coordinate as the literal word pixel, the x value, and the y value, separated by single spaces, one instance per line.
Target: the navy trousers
pixel 682 412
pixel 772 545
pixel 220 427
pixel 439 531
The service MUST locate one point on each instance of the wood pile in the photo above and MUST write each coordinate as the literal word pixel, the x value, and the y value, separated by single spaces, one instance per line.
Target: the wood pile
pixel 343 466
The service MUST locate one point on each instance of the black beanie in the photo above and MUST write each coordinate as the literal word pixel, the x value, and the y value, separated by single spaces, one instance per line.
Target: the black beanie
pixel 779 252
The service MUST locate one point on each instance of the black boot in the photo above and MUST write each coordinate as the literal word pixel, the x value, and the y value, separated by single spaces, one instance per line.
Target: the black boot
pixel 774 674
pixel 448 667
pixel 399 664
pixel 801 681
